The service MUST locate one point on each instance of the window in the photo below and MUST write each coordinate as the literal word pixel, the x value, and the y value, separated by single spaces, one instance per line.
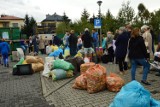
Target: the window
pixel 15 24
pixel 5 24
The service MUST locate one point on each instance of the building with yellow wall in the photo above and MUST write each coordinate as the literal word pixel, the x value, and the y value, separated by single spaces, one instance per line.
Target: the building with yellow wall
pixel 50 24
pixel 11 21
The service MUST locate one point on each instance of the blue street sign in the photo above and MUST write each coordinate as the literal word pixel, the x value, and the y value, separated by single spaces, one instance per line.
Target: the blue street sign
pixel 97 23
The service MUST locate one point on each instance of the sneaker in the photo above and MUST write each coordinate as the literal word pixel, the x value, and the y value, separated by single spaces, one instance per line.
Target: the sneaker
pixel 145 82
pixel 8 65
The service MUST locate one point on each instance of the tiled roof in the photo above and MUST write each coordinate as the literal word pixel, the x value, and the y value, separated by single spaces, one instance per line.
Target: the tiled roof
pixel 53 17
pixel 6 17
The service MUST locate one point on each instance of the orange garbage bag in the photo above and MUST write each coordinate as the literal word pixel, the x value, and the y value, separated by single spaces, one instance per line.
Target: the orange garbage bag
pixel 39 59
pixel 31 59
pixel 80 82
pixel 114 82
pixel 96 77
pixel 84 67
pixel 37 67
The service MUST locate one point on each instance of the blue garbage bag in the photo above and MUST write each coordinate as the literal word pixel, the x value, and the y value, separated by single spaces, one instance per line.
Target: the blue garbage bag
pixel 58 74
pixel 154 103
pixel 132 94
pixel 56 53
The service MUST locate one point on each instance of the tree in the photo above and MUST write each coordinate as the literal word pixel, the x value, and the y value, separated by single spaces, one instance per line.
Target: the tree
pixel 85 15
pixel 155 21
pixel 109 22
pixel 141 10
pixel 66 20
pixel 29 26
pixel 32 26
pixel 126 14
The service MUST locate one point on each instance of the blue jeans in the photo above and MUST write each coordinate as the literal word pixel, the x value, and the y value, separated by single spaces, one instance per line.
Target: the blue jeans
pixel 144 63
pixel 5 59
pixel 95 44
pixel 79 46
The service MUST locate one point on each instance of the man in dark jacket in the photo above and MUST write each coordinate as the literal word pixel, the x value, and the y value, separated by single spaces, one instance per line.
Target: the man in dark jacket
pixel 73 43
pixel 121 49
pixel 87 41
pixel 35 43
pixel 56 40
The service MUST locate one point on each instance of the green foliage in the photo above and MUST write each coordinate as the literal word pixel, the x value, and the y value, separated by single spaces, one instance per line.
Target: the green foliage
pixel 62 28
pixel 155 22
pixel 80 25
pixel 109 22
pixel 85 15
pixel 126 14
pixel 30 26
pixel 66 20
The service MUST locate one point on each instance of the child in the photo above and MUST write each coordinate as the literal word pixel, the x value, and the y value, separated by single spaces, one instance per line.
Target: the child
pixel 4 48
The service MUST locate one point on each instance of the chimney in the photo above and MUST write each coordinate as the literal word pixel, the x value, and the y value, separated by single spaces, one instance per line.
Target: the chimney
pixel 47 15
pixel 3 15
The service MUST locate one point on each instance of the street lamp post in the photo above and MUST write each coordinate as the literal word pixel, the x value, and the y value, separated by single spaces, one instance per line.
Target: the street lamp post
pixel 99 4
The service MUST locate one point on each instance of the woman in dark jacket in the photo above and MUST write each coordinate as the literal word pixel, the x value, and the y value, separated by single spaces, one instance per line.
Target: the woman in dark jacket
pixel 138 55
pixel 73 43
pixel 121 49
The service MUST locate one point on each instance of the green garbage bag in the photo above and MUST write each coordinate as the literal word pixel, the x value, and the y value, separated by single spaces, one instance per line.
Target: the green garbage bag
pixel 19 63
pixel 58 74
pixel 61 64
pixel 70 74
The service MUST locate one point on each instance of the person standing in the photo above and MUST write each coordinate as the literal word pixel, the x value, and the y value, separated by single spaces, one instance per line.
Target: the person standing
pixel 41 45
pixel 110 46
pixel 57 41
pixel 30 44
pixel 79 43
pixel 35 44
pixel 104 42
pixel 4 49
pixel 65 39
pixel 72 43
pixel 129 29
pixel 87 41
pixel 95 39
pixel 121 49
pixel 138 55
pixel 153 38
pixel 148 40
pixel 46 43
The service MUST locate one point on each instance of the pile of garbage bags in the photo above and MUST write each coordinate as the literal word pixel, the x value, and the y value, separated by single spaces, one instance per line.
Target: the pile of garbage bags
pixel 94 78
pixel 114 82
pixel 36 62
pixel 134 94
pixel 58 69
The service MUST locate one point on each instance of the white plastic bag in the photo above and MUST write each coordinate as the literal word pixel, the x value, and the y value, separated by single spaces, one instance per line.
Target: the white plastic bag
pixel 46 71
pixel 48 50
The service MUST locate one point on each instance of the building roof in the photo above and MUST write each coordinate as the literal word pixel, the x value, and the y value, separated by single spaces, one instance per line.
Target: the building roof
pixel 7 17
pixel 53 17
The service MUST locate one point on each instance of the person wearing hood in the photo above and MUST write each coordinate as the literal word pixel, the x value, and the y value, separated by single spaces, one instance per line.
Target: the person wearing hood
pixel 87 41
pixel 4 49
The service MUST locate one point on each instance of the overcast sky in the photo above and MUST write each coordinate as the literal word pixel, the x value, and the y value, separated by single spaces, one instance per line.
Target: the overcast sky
pixel 73 8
